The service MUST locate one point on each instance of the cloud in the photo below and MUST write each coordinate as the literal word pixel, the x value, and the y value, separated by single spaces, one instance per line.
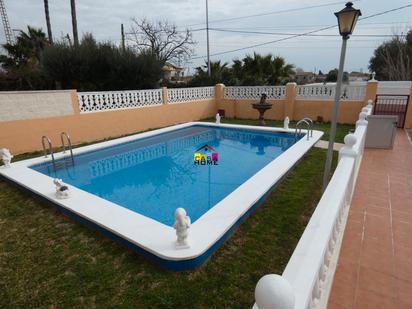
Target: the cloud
pixel 103 19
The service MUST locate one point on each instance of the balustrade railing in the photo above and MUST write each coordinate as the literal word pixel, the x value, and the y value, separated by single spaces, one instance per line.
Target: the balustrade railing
pixel 254 92
pixel 308 276
pixel 327 92
pixel 109 100
pixel 182 95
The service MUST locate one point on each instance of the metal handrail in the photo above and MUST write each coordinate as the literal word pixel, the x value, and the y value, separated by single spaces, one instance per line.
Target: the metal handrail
pixel 69 143
pixel 300 129
pixel 43 138
pixel 311 125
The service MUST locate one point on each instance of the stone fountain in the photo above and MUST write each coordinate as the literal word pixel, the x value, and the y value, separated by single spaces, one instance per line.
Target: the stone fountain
pixel 262 107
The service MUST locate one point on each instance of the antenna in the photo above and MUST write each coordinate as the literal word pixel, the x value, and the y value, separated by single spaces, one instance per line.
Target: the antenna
pixel 7 29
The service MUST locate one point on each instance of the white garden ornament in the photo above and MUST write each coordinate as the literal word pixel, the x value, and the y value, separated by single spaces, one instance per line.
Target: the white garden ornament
pixel 218 117
pixel 286 123
pixel 182 224
pixel 62 191
pixel 5 156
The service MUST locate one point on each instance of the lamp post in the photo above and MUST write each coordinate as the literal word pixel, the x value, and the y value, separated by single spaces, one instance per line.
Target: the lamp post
pixel 347 19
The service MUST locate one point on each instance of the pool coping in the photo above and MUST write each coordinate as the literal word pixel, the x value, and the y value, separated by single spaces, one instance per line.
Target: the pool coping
pixel 150 235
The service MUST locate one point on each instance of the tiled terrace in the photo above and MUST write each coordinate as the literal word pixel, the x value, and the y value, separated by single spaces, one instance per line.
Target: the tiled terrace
pixel 375 263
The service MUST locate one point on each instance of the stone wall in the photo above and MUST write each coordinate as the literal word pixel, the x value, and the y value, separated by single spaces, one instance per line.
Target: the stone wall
pixel 22 105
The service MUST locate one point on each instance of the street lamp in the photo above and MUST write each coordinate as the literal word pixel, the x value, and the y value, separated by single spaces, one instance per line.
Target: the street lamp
pixel 347 19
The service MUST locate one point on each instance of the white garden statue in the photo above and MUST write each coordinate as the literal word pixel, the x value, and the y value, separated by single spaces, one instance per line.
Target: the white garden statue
pixel 182 224
pixel 218 117
pixel 286 123
pixel 5 156
pixel 62 191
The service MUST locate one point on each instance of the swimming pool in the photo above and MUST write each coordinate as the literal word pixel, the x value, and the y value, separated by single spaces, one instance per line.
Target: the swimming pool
pixel 129 188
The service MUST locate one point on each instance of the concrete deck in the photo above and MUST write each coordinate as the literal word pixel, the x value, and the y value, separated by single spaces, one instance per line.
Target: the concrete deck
pixel 375 263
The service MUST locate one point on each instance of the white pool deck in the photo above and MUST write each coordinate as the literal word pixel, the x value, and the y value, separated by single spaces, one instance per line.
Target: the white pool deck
pixel 151 235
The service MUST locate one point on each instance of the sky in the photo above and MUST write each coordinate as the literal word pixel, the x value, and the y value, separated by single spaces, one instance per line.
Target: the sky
pixel 103 18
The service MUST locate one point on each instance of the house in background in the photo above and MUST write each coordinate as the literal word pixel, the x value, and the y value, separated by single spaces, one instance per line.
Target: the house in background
pixel 172 72
pixel 358 76
pixel 302 77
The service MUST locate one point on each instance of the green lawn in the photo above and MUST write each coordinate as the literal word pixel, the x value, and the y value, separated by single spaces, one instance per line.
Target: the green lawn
pixel 341 130
pixel 47 260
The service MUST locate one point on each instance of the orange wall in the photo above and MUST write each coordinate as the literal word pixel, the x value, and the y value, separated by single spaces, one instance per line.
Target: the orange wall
pixel 243 109
pixel 348 110
pixel 408 118
pixel 25 135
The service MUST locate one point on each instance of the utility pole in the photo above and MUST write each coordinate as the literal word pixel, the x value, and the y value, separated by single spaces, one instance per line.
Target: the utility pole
pixel 74 23
pixel 123 43
pixel 207 39
pixel 7 29
pixel 46 12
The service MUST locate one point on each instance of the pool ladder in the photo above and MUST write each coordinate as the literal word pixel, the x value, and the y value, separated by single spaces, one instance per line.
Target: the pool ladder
pixel 50 147
pixel 45 138
pixel 309 123
pixel 69 143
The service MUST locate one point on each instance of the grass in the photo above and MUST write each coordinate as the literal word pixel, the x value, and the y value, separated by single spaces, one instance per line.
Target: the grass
pixel 341 130
pixel 47 260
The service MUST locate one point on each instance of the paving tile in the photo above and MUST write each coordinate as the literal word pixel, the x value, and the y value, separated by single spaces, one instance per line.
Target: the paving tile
pixel 405 292
pixel 370 300
pixel 377 282
pixel 380 255
pixel 403 262
pixel 342 293
pixel 401 216
pixel 378 211
pixel 336 305
pixel 376 257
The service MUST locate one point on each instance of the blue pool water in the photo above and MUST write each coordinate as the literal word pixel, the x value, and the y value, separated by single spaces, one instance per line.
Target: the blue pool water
pixel 155 175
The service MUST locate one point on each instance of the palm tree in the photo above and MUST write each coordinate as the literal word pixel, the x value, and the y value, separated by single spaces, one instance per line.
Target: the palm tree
pixel 46 12
pixel 219 73
pixel 27 49
pixel 22 61
pixel 261 70
pixel 74 22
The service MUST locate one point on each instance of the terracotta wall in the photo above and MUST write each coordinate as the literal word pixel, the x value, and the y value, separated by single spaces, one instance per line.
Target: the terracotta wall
pixel 25 135
pixel 348 111
pixel 408 118
pixel 296 109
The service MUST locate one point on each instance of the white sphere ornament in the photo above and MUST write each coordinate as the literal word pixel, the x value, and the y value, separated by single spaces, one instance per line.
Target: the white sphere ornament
pixel 348 150
pixel 274 292
pixel 350 140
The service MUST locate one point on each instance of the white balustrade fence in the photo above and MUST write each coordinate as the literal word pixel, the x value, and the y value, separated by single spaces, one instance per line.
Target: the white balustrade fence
pixel 254 92
pixel 327 92
pixel 109 100
pixel 308 276
pixel 182 95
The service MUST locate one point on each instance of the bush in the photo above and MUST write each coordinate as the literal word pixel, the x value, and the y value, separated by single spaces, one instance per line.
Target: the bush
pixel 96 66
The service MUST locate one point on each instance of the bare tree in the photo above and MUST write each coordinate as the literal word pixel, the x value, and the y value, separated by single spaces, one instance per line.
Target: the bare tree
pixel 392 60
pixel 46 12
pixel 162 39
